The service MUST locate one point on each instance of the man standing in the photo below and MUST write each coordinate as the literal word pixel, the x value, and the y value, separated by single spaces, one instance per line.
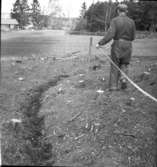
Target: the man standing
pixel 122 31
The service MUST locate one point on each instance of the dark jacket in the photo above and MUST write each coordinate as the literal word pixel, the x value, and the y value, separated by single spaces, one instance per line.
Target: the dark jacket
pixel 121 27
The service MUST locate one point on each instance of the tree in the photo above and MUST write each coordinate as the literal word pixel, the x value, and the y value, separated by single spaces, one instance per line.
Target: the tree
pixel 83 10
pixel 144 13
pixel 152 14
pixel 36 10
pixel 82 21
pixel 99 16
pixel 44 21
pixel 53 11
pixel 81 25
pixel 149 17
pixel 20 12
pixel 54 8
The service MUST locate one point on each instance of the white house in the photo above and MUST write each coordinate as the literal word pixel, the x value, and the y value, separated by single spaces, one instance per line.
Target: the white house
pixel 7 23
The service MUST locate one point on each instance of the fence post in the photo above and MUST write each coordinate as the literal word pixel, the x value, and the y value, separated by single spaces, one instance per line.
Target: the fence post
pixel 90 48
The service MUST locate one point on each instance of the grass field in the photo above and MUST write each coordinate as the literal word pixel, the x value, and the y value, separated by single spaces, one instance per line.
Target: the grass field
pixel 65 121
pixel 59 43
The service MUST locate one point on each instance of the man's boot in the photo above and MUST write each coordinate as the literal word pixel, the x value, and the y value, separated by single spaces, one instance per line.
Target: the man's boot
pixel 113 80
pixel 123 80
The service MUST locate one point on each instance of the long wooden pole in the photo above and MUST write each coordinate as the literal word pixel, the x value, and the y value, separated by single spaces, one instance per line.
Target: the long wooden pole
pixel 90 47
pixel 106 19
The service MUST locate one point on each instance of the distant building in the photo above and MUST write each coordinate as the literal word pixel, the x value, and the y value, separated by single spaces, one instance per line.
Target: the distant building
pixel 7 23
pixel 5 16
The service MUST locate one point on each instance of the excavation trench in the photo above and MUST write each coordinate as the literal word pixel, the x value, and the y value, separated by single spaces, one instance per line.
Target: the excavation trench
pixel 24 143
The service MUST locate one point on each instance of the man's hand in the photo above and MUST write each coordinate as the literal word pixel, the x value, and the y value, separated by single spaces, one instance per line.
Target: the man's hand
pixel 97 46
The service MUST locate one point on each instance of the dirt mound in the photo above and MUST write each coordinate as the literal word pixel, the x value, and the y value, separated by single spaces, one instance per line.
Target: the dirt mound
pixel 88 128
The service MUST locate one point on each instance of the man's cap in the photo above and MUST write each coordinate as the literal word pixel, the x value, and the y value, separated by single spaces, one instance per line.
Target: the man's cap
pixel 122 7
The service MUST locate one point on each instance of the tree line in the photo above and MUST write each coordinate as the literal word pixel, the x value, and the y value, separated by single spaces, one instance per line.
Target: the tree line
pixel 33 15
pixel 94 19
pixel 25 14
pixel 98 16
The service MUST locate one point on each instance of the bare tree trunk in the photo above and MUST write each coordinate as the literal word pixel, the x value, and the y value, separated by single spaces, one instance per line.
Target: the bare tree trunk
pixel 106 19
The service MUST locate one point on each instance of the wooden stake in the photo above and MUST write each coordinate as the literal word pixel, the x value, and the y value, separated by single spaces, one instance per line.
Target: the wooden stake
pixel 90 47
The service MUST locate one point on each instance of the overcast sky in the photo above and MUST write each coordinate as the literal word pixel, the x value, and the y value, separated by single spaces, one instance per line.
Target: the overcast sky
pixel 71 8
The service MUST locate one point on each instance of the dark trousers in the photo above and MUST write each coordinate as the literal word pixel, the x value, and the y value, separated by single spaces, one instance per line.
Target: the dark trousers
pixel 120 54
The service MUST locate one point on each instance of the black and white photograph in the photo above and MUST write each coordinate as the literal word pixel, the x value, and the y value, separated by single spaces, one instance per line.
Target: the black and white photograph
pixel 78 83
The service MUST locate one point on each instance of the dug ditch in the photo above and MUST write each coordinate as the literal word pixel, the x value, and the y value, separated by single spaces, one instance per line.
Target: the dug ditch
pixel 23 142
